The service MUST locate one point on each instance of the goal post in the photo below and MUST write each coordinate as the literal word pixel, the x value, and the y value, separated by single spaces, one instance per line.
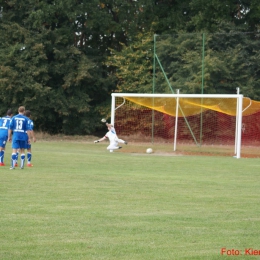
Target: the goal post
pixel 180 118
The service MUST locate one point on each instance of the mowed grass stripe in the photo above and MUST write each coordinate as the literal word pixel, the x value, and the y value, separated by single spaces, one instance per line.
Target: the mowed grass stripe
pixel 81 202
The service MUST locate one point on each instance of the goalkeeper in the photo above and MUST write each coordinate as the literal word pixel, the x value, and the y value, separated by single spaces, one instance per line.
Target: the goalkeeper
pixel 113 139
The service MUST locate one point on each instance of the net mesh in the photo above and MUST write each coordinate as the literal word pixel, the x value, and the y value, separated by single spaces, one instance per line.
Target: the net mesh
pixel 205 125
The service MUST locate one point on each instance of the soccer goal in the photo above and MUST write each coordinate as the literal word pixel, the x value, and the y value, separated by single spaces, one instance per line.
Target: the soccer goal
pixel 188 122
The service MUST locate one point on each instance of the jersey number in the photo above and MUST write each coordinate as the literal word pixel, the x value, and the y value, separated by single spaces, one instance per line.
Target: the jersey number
pixel 4 123
pixel 19 124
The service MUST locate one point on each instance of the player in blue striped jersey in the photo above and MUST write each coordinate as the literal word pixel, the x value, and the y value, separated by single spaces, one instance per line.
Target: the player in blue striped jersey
pixel 4 125
pixel 19 128
pixel 29 146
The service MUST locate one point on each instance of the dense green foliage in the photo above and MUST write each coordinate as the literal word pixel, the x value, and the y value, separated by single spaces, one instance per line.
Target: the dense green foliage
pixel 230 61
pixel 62 59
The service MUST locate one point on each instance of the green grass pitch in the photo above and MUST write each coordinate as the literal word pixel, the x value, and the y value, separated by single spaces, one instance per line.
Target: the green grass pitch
pixel 81 202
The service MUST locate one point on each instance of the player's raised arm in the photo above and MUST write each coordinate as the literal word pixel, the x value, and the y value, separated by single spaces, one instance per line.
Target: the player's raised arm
pixel 100 140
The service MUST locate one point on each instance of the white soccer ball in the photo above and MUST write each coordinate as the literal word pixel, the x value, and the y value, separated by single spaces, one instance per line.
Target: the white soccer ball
pixel 103 120
pixel 149 150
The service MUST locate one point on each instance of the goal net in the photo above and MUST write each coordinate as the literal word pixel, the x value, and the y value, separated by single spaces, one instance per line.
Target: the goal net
pixel 187 123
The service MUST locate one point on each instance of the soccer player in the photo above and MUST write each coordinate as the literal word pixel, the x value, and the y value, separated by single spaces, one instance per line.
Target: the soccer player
pixel 4 125
pixel 113 139
pixel 29 146
pixel 19 127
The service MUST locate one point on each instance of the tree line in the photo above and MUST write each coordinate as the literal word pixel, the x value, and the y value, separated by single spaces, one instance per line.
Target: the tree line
pixel 62 59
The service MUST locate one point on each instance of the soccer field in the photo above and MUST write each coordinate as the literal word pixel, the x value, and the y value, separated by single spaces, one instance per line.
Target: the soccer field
pixel 81 202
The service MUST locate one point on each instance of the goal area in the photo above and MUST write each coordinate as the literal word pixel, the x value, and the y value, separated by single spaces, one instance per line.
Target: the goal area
pixel 182 123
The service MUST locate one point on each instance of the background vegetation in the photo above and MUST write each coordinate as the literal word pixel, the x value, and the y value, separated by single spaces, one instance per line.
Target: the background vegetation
pixel 62 59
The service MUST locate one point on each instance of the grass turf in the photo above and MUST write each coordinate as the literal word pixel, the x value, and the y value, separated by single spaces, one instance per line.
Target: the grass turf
pixel 81 202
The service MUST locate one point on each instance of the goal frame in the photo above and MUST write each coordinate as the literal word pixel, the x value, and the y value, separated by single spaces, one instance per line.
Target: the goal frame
pixel 238 97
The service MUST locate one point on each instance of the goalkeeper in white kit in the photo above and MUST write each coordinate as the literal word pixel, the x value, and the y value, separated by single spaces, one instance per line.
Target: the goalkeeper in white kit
pixel 113 139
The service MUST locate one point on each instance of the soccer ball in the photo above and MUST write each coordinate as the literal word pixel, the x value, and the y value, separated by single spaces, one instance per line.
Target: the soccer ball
pixel 149 150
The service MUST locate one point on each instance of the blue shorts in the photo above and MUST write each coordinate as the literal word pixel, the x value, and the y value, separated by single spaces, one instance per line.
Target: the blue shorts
pixel 19 144
pixel 28 146
pixel 3 142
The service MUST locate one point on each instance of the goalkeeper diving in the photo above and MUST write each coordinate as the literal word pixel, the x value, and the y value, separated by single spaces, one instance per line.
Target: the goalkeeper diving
pixel 113 139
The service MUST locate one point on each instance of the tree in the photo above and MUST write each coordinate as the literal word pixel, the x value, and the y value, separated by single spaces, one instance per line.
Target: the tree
pixel 233 64
pixel 133 65
pixel 62 59
pixel 208 15
pixel 230 61
pixel 42 68
pixel 54 58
